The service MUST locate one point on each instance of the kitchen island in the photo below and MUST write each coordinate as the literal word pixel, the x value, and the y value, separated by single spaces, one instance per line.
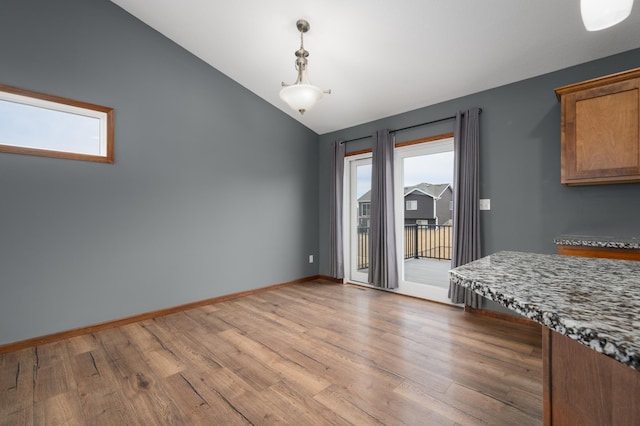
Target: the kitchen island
pixel 591 340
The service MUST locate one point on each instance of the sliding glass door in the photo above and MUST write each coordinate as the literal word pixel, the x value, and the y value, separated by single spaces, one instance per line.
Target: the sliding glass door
pixel 424 207
pixel 359 212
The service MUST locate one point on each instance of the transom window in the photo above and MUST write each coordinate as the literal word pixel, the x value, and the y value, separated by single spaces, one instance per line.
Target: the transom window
pixel 45 125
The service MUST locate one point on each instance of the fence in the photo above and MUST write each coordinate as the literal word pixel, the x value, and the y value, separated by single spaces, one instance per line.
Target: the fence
pixel 427 241
pixel 420 242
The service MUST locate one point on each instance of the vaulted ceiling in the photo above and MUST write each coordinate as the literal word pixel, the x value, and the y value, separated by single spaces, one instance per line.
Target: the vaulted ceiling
pixel 382 58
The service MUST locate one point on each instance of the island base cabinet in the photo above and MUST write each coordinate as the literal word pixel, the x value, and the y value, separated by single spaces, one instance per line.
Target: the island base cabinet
pixel 584 387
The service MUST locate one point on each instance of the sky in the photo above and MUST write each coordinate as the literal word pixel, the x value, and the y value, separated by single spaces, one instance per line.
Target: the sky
pixel 32 126
pixel 432 168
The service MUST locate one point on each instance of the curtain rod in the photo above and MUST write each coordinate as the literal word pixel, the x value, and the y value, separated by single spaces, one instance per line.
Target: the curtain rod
pixel 406 128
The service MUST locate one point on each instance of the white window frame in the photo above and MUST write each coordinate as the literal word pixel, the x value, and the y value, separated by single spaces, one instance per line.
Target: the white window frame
pixel 444 144
pixel 406 287
pixel 411 205
pixel 350 218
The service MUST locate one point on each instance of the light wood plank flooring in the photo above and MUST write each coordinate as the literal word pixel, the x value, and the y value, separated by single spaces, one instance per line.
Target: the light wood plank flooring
pixel 309 354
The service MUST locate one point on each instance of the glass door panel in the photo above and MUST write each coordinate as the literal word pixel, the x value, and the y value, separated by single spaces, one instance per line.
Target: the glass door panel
pixel 424 200
pixel 359 218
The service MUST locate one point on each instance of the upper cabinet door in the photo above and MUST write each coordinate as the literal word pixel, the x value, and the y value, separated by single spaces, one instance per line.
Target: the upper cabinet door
pixel 600 127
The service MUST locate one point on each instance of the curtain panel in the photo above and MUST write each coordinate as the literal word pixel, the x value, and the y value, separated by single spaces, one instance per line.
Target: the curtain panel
pixel 383 261
pixel 466 203
pixel 336 251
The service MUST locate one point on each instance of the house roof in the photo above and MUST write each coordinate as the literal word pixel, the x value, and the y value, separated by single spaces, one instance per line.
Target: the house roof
pixel 433 190
pixel 365 197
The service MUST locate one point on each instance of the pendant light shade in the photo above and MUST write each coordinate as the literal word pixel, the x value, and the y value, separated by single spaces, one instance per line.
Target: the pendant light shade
pixel 600 14
pixel 301 95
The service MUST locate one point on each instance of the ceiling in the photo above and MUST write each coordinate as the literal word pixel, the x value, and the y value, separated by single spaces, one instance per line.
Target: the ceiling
pixel 382 58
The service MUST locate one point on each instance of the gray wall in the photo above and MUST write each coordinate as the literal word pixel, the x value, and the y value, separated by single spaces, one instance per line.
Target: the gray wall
pixel 213 190
pixel 520 164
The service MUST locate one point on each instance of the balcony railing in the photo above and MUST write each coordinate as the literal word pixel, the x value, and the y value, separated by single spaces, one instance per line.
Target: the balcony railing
pixel 420 242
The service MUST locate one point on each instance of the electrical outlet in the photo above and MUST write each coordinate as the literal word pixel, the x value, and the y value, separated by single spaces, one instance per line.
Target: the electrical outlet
pixel 310 258
pixel 485 204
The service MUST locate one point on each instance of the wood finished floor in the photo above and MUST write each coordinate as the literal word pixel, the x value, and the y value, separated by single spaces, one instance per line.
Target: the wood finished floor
pixel 309 354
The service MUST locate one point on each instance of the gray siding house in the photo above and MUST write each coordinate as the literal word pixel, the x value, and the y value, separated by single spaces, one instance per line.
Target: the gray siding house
pixel 424 204
pixel 428 204
pixel 364 210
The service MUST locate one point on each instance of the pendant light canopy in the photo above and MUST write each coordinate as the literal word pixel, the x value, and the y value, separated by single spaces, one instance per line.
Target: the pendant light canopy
pixel 301 95
pixel 600 14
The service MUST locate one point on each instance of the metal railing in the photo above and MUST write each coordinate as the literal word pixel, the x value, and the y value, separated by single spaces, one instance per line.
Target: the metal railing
pixel 363 247
pixel 420 242
pixel 427 242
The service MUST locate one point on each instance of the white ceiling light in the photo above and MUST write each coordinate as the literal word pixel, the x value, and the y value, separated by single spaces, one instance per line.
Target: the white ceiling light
pixel 600 14
pixel 301 95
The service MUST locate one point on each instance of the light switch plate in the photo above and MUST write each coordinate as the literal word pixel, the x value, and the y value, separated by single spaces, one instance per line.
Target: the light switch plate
pixel 485 204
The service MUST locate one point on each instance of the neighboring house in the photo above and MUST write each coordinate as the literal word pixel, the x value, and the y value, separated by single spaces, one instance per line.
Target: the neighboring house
pixel 428 204
pixel 364 210
pixel 424 204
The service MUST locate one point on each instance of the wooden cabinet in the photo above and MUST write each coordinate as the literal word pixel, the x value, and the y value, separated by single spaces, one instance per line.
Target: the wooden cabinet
pixel 580 385
pixel 600 136
pixel 608 253
pixel 584 387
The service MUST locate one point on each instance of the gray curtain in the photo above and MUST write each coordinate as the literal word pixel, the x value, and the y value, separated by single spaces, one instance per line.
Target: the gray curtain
pixel 383 262
pixel 466 201
pixel 335 206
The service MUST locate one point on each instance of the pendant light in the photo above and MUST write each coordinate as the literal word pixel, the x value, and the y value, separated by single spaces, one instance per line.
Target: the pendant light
pixel 600 14
pixel 301 95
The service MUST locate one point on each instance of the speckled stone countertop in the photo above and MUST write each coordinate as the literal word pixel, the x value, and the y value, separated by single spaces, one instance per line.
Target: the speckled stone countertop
pixel 593 301
pixel 598 242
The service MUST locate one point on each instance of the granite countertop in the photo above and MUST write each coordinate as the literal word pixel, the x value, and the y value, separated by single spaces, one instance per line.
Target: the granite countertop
pixel 593 301
pixel 598 242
